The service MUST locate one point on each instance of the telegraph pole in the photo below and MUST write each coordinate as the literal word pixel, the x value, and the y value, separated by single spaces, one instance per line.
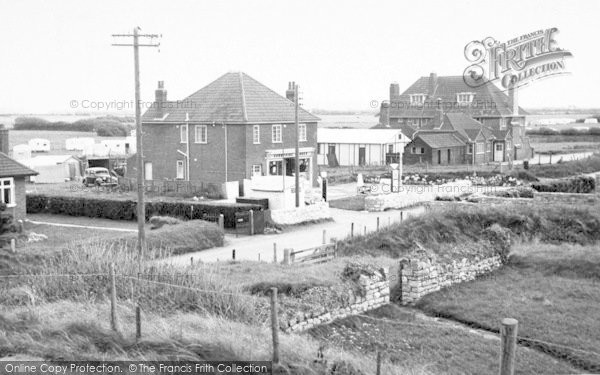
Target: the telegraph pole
pixel 141 212
pixel 297 161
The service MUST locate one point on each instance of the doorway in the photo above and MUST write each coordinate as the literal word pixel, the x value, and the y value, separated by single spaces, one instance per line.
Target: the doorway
pixel 362 156
pixel 439 156
pixel 499 152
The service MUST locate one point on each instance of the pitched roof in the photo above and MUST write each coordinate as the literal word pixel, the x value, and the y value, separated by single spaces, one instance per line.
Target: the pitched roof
pixel 233 98
pixel 363 136
pixel 407 130
pixel 12 168
pixel 489 100
pixel 439 139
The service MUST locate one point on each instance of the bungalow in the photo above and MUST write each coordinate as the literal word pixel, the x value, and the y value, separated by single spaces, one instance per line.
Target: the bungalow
pixel 353 147
pixel 230 130
pixel 435 147
pixel 418 107
pixel 13 176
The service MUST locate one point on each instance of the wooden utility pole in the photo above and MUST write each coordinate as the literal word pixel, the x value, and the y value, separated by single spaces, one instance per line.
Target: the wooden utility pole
pixel 297 162
pixel 508 342
pixel 141 212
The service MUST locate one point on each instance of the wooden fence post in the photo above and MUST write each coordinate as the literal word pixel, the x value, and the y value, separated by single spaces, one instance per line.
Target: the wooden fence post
pixel 233 254
pixel 138 322
pixel 286 256
pixel 324 236
pixel 378 223
pixel 274 326
pixel 259 257
pixel 274 252
pixel 352 230
pixel 365 230
pixel 114 324
pixel 222 221
pixel 508 343
pixel 191 261
pixel 401 216
pixel 251 222
pixel 378 372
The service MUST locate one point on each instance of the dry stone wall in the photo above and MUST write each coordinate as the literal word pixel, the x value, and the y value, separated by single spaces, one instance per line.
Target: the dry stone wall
pixel 371 292
pixel 421 276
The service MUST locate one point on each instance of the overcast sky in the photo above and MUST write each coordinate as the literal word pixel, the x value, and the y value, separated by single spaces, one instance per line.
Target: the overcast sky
pixel 343 54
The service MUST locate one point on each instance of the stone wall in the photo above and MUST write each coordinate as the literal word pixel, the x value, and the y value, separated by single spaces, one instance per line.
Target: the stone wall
pixel 421 276
pixel 371 292
pixel 292 216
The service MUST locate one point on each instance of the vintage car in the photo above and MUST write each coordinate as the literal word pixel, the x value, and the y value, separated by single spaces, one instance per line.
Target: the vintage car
pixel 99 176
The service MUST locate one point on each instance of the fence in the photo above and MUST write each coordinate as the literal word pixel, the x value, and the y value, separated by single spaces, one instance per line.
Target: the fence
pixel 198 188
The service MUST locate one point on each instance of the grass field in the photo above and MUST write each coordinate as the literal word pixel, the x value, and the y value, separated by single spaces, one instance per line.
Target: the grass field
pixel 552 290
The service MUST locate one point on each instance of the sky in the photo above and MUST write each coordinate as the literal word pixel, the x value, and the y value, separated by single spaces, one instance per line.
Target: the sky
pixel 57 55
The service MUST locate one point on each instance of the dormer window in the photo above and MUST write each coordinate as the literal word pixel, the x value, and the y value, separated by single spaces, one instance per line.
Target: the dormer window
pixel 465 97
pixel 417 99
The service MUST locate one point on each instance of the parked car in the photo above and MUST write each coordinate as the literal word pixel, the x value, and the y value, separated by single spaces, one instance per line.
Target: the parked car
pixel 99 176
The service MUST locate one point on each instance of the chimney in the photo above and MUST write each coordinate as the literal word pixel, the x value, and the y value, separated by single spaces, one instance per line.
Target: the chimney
pixel 160 96
pixel 289 93
pixel 384 113
pixel 432 84
pixel 513 101
pixel 4 148
pixel 394 91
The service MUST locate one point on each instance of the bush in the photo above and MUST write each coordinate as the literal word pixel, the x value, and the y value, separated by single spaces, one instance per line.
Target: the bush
pixel 114 209
pixel 109 126
pixel 518 192
pixel 580 184
pixel 501 240
pixel 159 221
pixel 542 131
pixel 523 175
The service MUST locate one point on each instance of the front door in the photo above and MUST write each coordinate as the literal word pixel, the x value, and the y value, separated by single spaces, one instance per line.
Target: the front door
pixel 362 155
pixel 439 156
pixel 499 152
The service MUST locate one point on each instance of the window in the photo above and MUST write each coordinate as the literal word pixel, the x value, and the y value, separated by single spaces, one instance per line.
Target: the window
pixel 256 134
pixel 508 145
pixel 422 150
pixel 256 170
pixel 201 134
pixel 183 133
pixel 413 150
pixel 180 170
pixel 7 190
pixel 390 149
pixel 276 133
pixel 498 146
pixel 464 97
pixel 470 149
pixel 480 148
pixel 488 147
pixel 302 132
pixel 417 99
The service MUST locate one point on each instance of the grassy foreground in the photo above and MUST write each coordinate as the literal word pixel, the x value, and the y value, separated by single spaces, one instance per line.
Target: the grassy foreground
pixel 552 290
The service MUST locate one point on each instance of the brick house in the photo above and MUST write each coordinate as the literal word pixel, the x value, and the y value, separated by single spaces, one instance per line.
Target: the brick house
pixel 501 120
pixel 435 147
pixel 230 130
pixel 13 176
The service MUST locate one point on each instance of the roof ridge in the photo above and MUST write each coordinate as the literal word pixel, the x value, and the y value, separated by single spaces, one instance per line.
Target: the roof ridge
pixel 19 163
pixel 244 112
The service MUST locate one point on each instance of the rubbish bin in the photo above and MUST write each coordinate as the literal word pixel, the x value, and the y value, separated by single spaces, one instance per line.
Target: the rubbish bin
pixel 525 164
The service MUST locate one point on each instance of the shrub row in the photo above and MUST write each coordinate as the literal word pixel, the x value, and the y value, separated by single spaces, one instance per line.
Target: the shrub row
pixel 580 184
pixel 109 126
pixel 567 131
pixel 126 209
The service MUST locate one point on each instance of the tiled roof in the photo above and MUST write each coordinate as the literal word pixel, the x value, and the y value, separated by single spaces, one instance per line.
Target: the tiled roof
pixel 364 136
pixel 489 99
pixel 232 98
pixel 438 139
pixel 12 168
pixel 407 130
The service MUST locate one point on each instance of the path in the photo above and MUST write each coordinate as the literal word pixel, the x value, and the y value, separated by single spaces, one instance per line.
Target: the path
pixel 298 238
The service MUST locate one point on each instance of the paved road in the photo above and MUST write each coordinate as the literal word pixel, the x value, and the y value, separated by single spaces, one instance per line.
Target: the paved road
pixel 298 238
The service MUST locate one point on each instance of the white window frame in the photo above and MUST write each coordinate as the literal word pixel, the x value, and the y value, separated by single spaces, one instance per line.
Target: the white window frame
pixel 183 134
pixel 180 163
pixel 470 149
pixel 203 138
pixel 256 170
pixel 417 99
pixel 11 187
pixel 302 132
pixel 413 150
pixel 465 97
pixel 422 150
pixel 480 147
pixel 256 134
pixel 276 133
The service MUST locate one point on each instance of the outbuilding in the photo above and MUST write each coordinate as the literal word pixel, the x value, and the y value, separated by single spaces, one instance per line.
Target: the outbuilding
pixel 54 168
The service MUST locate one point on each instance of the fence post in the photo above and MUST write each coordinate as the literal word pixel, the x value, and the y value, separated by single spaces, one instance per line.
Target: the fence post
pixel 508 342
pixel 286 256
pixel 401 216
pixel 378 372
pixel 233 254
pixel 259 257
pixel 13 246
pixel 352 230
pixel 274 252
pixel 274 326
pixel 324 236
pixel 378 223
pixel 138 322
pixel 222 221
pixel 114 324
pixel 251 222
pixel 365 230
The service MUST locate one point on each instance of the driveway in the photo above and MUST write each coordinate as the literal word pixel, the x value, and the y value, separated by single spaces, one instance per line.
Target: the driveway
pixel 297 238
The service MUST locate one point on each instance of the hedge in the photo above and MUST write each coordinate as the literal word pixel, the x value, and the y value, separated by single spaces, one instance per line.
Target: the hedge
pixel 126 209
pixel 580 184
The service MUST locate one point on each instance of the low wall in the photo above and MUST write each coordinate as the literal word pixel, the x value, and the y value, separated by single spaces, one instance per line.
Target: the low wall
pixel 372 292
pixel 292 216
pixel 419 277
